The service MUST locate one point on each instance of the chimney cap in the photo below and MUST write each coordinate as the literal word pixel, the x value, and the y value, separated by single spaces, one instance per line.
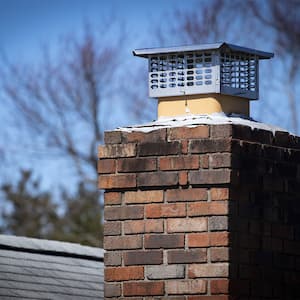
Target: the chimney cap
pixel 146 52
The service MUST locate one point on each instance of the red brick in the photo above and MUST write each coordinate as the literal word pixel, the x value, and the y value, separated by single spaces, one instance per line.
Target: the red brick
pixel 220 286
pixel 111 198
pixel 216 176
pixel 113 137
pixel 153 257
pixel 219 254
pixel 186 287
pixel 180 133
pixel 117 150
pixel 165 210
pixel 157 179
pixel 220 160
pixel 112 289
pixel 193 194
pixel 144 137
pixel 207 208
pixel 159 148
pixel 210 145
pixel 142 226
pixel 219 194
pixel 123 212
pixel 187 256
pixel 183 178
pixel 156 241
pixel 179 162
pixel 112 228
pixel 204 161
pixel 123 273
pixel 187 225
pixel 136 164
pixel 122 242
pixel 208 239
pixel 117 181
pixel 143 288
pixel 105 166
pixel 184 146
pixel 208 270
pixel 143 197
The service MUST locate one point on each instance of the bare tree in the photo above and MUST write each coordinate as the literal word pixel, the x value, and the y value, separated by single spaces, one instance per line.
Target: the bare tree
pixel 62 101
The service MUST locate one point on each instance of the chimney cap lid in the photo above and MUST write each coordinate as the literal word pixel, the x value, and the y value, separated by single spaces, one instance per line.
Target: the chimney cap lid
pixel 200 47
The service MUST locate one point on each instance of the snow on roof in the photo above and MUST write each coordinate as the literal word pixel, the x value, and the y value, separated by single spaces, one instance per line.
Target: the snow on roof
pixel 195 120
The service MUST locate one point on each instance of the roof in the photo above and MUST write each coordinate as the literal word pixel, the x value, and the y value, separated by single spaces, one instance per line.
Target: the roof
pixel 195 120
pixel 190 48
pixel 42 269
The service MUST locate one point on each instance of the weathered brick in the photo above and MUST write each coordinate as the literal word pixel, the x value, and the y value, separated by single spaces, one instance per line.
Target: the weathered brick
pixel 220 286
pixel 207 208
pixel 136 164
pixel 122 242
pixel 208 239
pixel 153 257
pixel 210 145
pixel 194 194
pixel 113 137
pixel 204 161
pixel 145 137
pixel 214 297
pixel 112 198
pixel 112 228
pixel 112 258
pixel 117 181
pixel 124 212
pixel 142 226
pixel 183 178
pixel 164 241
pixel 216 176
pixel 112 289
pixel 117 150
pixel 157 179
pixel 208 270
pixel 165 272
pixel 105 166
pixel 143 197
pixel 123 273
pixel 179 133
pixel 187 225
pixel 221 131
pixel 187 256
pixel 217 194
pixel 159 148
pixel 179 162
pixel 218 223
pixel 165 210
pixel 220 160
pixel 219 254
pixel 154 288
pixel 186 287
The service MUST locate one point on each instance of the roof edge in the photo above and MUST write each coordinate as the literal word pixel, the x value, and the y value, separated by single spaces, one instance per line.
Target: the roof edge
pixel 50 247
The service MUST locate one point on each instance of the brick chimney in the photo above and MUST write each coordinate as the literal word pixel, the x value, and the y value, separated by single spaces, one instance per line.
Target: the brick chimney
pixel 201 207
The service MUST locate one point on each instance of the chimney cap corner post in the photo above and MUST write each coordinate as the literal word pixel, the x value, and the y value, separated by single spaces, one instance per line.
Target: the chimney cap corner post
pixel 203 79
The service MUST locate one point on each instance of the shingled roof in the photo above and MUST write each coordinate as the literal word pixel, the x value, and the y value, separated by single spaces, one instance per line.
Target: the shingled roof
pixel 43 269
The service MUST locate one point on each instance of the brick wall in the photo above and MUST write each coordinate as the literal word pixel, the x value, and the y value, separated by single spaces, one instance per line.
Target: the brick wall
pixel 208 212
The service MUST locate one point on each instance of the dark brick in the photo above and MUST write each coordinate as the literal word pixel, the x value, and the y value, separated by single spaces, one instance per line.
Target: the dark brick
pixel 220 131
pixel 143 257
pixel 218 176
pixel 138 288
pixel 145 137
pixel 112 137
pixel 124 212
pixel 122 242
pixel 187 256
pixel 157 179
pixel 159 148
pixel 112 289
pixel 164 241
pixel 136 164
pixel 112 228
pixel 210 145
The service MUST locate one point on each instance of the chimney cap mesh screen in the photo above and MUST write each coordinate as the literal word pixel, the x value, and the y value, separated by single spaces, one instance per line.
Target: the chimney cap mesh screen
pixel 202 70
